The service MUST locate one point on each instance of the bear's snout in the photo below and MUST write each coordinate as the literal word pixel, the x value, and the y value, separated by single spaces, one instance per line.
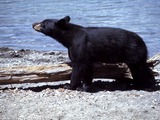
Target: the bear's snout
pixel 37 27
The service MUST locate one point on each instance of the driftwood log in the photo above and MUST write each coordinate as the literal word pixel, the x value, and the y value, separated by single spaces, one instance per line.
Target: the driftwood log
pixel 60 72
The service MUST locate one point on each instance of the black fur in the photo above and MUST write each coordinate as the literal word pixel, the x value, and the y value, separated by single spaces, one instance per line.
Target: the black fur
pixel 87 45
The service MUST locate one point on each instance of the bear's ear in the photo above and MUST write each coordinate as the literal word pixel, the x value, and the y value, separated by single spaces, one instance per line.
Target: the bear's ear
pixel 67 18
pixel 63 21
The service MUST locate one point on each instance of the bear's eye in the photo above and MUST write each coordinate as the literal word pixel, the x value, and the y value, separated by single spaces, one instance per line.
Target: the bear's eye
pixel 43 26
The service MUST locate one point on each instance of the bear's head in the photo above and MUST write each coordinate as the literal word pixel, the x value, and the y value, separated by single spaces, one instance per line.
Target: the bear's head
pixel 50 27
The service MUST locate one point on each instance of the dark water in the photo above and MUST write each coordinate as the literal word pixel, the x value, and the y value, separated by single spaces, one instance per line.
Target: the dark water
pixel 17 16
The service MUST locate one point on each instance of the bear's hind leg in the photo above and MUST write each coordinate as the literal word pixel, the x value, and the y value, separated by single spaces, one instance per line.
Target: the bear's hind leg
pixel 142 75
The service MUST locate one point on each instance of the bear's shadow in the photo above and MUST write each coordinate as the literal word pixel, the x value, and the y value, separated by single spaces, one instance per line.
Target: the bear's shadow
pixel 100 86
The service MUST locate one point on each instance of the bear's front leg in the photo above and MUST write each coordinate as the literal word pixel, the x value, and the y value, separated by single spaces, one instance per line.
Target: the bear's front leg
pixel 82 74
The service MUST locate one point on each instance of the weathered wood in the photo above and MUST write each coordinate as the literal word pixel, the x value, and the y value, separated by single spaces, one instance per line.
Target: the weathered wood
pixel 35 74
pixel 53 73
pixel 154 61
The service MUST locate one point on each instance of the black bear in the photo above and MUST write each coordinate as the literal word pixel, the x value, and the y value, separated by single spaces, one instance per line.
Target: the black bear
pixel 87 45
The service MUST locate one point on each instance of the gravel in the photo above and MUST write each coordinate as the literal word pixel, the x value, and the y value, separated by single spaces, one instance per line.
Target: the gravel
pixel 49 101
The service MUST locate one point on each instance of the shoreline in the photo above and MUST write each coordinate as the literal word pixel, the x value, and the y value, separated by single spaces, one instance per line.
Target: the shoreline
pixel 24 58
pixel 11 58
